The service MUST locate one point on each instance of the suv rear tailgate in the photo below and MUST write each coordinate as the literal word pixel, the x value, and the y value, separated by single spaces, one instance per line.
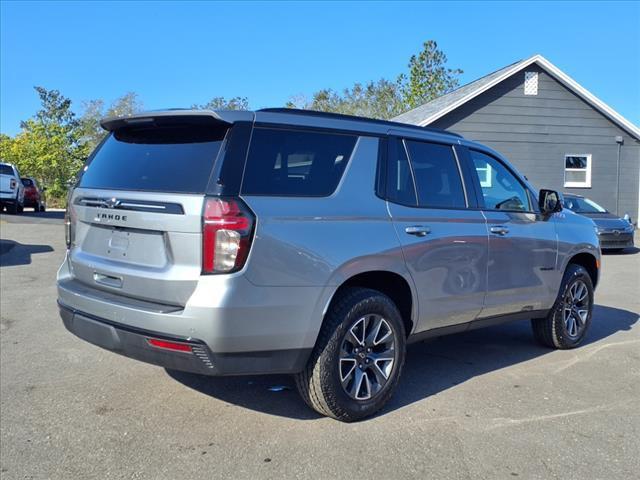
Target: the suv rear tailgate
pixel 136 216
pixel 142 254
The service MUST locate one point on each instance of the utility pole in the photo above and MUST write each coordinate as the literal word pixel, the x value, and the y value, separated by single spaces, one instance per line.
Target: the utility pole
pixel 619 141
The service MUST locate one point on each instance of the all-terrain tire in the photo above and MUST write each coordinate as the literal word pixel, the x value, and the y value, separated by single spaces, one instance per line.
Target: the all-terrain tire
pixel 551 331
pixel 319 383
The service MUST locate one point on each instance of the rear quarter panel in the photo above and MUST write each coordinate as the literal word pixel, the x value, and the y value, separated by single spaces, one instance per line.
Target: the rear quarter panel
pixel 321 242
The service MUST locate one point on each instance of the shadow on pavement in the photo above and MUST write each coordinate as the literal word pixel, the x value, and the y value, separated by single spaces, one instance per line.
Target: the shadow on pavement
pixel 14 253
pixel 431 367
pixel 29 216
pixel 58 214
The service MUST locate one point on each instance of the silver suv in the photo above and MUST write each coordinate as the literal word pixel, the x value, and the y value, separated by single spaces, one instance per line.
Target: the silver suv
pixel 284 241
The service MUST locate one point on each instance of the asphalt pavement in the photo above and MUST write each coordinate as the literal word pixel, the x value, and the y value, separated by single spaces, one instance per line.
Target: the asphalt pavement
pixel 483 404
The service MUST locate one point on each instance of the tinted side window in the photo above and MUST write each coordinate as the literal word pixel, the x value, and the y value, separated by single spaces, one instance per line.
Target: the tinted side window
pixel 295 163
pixel 501 190
pixel 436 174
pixel 400 186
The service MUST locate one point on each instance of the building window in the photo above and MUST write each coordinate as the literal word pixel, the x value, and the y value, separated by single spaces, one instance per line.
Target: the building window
pixel 531 83
pixel 484 175
pixel 577 170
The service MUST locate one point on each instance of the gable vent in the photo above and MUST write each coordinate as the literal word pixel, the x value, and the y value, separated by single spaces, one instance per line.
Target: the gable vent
pixel 531 83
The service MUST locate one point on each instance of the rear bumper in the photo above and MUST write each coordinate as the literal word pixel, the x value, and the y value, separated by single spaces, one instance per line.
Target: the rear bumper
pixel 243 328
pixel 133 343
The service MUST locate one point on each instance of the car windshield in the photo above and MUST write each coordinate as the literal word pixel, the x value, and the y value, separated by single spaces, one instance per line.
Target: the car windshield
pixel 583 205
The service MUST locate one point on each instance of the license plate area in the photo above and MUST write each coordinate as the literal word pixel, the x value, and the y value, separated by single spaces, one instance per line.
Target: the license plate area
pixel 140 247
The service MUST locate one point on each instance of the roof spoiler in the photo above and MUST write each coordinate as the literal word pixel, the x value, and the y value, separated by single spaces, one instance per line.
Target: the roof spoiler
pixel 166 117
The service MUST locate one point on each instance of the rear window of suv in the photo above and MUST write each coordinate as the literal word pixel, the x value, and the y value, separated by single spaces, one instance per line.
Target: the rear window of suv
pixel 6 170
pixel 175 158
pixel 296 163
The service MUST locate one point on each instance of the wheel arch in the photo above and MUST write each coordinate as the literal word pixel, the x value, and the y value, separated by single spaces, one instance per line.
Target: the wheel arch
pixel 393 284
pixel 589 262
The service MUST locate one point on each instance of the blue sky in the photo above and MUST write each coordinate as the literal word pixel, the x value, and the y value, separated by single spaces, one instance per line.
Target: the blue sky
pixel 174 54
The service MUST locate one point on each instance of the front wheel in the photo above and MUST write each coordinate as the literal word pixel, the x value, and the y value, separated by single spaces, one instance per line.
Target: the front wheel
pixel 568 321
pixel 356 363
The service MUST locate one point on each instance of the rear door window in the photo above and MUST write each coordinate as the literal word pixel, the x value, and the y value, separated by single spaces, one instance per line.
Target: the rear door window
pixel 400 184
pixel 296 163
pixel 436 174
pixel 174 158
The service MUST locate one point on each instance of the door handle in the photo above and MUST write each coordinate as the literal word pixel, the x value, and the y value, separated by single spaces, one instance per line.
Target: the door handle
pixel 499 230
pixel 418 230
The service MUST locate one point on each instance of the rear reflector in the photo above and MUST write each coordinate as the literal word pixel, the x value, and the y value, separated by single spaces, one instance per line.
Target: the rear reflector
pixel 166 345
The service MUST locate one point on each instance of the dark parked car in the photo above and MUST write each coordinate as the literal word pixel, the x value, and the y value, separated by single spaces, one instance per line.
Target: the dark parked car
pixel 615 233
pixel 33 194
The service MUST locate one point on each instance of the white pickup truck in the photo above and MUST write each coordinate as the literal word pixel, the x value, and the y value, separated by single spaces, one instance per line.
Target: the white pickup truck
pixel 11 188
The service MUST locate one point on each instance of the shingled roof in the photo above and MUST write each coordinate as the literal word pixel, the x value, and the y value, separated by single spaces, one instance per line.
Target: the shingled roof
pixel 437 108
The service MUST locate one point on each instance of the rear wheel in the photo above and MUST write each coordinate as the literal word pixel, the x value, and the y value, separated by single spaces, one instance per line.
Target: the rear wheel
pixel 568 321
pixel 12 208
pixel 356 363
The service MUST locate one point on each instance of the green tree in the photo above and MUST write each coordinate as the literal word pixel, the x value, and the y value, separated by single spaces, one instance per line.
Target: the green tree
pixel 48 146
pixel 428 76
pixel 5 146
pixel 124 106
pixel 55 108
pixel 91 131
pixel 94 111
pixel 380 99
pixel 222 103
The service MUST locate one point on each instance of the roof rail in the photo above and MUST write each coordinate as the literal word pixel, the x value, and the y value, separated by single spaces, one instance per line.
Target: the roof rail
pixel 342 116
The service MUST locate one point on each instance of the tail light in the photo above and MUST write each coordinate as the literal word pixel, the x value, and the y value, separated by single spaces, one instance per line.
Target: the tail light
pixel 12 184
pixel 69 225
pixel 226 235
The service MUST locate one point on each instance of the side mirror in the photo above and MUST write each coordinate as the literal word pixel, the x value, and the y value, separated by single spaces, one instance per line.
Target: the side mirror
pixel 549 202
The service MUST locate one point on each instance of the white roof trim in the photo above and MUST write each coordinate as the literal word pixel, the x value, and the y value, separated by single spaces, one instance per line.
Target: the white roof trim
pixel 561 77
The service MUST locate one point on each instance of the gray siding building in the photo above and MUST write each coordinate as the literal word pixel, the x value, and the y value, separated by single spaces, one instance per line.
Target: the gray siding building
pixel 553 130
